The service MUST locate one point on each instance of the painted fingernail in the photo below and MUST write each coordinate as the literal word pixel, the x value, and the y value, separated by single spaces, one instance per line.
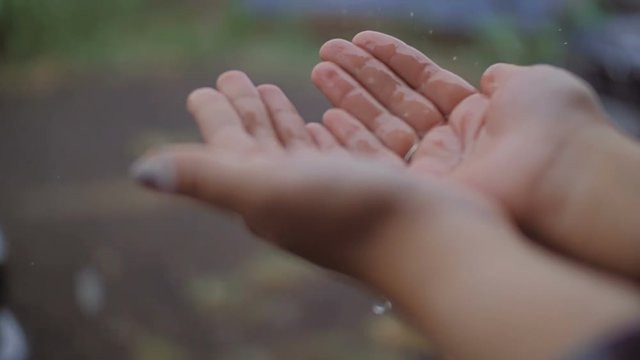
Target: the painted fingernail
pixel 157 173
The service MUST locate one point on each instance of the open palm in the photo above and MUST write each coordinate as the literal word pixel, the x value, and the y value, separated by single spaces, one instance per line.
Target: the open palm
pixel 503 139
pixel 290 185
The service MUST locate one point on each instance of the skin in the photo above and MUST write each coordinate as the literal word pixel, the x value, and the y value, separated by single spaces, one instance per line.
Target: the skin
pixel 448 257
pixel 534 139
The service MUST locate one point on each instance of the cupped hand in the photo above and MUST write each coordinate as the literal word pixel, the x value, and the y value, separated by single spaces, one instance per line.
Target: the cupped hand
pixel 502 139
pixel 291 182
pixel 531 139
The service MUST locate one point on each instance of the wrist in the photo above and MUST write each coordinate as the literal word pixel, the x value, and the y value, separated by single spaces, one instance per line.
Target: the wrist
pixel 469 280
pixel 600 201
pixel 430 236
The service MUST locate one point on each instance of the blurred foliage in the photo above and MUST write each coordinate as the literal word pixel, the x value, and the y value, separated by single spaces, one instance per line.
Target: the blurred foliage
pixel 135 34
pixel 38 37
pixel 31 28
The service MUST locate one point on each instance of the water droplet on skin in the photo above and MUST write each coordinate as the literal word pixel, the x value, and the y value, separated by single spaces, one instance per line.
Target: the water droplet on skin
pixel 382 307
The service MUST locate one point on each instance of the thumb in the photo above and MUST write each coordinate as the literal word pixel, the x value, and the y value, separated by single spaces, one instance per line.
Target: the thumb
pixel 196 172
pixel 496 75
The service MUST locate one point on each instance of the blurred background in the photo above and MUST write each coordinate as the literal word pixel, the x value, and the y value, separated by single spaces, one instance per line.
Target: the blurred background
pixel 100 269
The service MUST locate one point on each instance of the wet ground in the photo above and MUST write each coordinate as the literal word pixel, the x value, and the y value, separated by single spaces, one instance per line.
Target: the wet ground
pixel 101 269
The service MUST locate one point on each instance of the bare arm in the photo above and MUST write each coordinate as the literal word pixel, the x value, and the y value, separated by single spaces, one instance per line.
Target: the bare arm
pixel 481 291
pixel 597 212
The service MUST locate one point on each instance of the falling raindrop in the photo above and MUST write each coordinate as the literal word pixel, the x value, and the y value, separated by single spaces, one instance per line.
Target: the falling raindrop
pixel 559 29
pixel 411 14
pixel 382 307
pixel 430 32
pixel 565 43
pixel 455 58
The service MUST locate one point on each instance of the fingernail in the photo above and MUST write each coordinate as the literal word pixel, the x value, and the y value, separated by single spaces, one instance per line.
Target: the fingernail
pixel 157 173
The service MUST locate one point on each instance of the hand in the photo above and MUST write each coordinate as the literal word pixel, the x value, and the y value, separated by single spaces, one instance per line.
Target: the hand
pixel 306 196
pixel 447 257
pixel 519 140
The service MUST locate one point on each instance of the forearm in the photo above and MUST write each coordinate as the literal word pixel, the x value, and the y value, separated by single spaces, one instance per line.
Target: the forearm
pixel 598 214
pixel 480 292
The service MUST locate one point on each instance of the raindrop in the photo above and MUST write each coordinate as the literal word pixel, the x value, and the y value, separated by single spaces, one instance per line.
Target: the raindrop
pixel 381 308
pixel 430 32
pixel 455 58
pixel 565 43
pixel 411 14
pixel 559 29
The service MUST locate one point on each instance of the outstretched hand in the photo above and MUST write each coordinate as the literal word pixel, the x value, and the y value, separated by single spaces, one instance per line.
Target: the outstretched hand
pixel 526 139
pixel 291 182
pixel 500 139
pixel 446 255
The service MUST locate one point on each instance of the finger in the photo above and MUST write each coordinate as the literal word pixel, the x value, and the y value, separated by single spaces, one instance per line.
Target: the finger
pixel 439 153
pixel 496 75
pixel 354 136
pixel 323 139
pixel 468 118
pixel 383 84
pixel 246 100
pixel 444 88
pixel 345 93
pixel 194 171
pixel 287 122
pixel 216 118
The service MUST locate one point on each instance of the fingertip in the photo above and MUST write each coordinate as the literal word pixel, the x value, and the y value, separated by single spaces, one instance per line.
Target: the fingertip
pixel 268 89
pixel 322 71
pixel 314 129
pixel 332 47
pixel 495 75
pixel 200 96
pixel 157 172
pixel 335 118
pixel 322 137
pixel 312 125
pixel 334 114
pixel 363 35
pixel 366 37
pixel 230 77
pixel 369 39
